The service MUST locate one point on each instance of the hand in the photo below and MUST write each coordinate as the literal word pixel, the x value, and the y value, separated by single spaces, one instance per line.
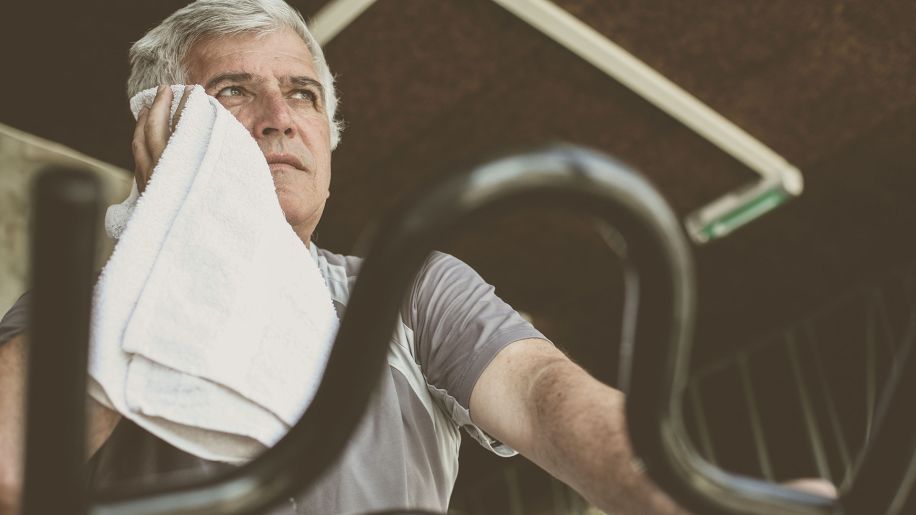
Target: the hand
pixel 814 486
pixel 152 133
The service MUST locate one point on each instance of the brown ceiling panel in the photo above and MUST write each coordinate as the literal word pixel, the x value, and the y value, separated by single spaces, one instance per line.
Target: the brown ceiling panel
pixel 804 77
pixel 427 85
pixel 430 85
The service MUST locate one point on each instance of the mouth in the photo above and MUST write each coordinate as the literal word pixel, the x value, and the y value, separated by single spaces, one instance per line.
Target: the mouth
pixel 281 160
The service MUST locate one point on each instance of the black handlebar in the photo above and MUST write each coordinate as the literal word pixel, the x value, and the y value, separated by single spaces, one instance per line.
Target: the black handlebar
pixel 655 350
pixel 561 176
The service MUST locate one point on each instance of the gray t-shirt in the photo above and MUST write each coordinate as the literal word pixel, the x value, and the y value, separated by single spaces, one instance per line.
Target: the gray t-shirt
pixel 404 454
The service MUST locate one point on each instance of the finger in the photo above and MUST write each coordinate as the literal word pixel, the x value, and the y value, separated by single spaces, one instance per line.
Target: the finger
pixel 142 157
pixel 820 487
pixel 181 103
pixel 157 122
pixel 138 143
pixel 141 182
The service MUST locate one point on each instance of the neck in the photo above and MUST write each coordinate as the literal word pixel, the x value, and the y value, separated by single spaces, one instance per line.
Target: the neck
pixel 304 234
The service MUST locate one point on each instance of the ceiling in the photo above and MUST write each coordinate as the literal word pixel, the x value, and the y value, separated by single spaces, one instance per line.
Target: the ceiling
pixel 430 86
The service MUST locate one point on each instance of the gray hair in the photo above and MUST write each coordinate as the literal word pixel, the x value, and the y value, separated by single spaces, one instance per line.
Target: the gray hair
pixel 158 57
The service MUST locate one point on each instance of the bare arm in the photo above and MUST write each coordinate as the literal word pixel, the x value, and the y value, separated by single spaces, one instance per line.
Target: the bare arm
pixel 536 400
pixel 13 370
pixel 12 421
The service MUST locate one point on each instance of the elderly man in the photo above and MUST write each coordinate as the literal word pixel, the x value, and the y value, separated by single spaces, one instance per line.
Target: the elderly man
pixel 464 358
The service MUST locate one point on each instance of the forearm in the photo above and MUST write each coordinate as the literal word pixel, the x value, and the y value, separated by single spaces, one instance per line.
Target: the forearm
pixel 583 441
pixel 13 373
pixel 12 421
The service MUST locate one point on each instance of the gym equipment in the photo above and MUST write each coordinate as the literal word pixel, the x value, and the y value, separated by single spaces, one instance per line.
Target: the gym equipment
pixel 655 348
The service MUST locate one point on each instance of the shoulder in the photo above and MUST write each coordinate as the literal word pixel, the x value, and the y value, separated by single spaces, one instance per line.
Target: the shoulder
pixel 438 266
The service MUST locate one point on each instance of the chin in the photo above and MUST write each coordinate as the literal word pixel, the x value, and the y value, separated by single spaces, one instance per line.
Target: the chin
pixel 293 217
pixel 298 211
pixel 291 208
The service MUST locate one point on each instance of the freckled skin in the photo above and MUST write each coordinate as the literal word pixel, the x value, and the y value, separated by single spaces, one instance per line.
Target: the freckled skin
pixel 280 116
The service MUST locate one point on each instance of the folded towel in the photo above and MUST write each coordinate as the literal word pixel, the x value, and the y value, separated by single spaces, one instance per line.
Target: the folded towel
pixel 212 324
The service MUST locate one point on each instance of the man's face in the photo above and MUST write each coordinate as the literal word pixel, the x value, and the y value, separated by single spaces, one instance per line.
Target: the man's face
pixel 269 83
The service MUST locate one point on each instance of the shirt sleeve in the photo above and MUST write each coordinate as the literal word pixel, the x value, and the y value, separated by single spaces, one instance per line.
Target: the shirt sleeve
pixel 459 326
pixel 16 319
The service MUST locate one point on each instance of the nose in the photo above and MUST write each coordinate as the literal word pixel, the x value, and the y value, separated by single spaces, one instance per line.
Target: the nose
pixel 273 117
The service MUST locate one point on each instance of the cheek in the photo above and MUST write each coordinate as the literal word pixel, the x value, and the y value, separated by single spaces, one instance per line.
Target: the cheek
pixel 241 114
pixel 315 136
pixel 241 110
pixel 325 175
pixel 316 125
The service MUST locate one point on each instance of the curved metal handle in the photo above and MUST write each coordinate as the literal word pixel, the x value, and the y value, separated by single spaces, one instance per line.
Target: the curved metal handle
pixel 563 176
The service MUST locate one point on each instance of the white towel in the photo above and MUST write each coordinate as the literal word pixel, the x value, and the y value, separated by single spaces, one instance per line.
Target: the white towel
pixel 211 325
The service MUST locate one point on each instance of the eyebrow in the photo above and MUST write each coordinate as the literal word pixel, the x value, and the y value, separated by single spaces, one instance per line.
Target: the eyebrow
pixel 302 81
pixel 229 77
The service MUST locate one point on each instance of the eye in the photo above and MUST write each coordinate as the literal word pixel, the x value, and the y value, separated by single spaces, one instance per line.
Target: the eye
pixel 229 91
pixel 304 94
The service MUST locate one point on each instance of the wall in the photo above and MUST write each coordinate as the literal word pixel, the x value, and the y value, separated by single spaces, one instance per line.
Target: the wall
pixel 22 156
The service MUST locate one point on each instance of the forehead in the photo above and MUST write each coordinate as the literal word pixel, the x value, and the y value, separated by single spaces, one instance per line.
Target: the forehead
pixel 278 53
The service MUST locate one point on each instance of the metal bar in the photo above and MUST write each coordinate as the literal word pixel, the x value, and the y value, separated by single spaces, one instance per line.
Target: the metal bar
pixel 513 491
pixel 66 210
pixel 830 406
pixel 558 493
pixel 699 415
pixel 870 364
pixel 811 427
pixel 883 470
pixel 760 445
pixel 577 503
pixel 905 492
pixel 880 310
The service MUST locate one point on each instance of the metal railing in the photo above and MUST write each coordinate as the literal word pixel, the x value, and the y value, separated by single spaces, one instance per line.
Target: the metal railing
pixel 835 365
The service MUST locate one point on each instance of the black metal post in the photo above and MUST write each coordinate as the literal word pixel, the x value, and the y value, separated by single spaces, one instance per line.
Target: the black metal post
pixel 66 211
